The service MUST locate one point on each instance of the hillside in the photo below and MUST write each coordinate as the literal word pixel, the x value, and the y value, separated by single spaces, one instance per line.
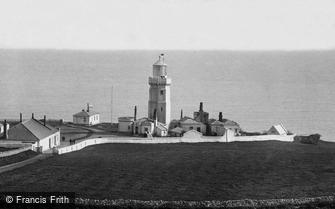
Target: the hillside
pixel 204 171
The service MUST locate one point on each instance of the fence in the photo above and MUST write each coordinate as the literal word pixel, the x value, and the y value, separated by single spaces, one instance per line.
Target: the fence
pixel 168 140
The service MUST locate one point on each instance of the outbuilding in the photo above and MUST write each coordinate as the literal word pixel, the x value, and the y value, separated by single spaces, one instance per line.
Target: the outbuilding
pixel 191 124
pixel 41 135
pixel 277 130
pixel 125 124
pixel 86 117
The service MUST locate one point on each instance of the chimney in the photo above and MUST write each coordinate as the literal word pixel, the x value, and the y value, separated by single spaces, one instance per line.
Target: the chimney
pixel 135 112
pixel 32 115
pixel 44 120
pixel 5 131
pixel 155 118
pixel 181 114
pixel 200 108
pixel 220 116
pixel 88 107
pixel 20 117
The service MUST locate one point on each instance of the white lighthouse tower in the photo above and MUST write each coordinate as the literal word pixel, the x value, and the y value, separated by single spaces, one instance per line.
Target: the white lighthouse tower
pixel 159 93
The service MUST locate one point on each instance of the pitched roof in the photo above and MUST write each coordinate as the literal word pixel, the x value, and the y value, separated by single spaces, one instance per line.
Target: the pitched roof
pixel 84 113
pixel 177 130
pixel 161 126
pixel 279 128
pixel 217 122
pixel 31 130
pixel 225 122
pixel 126 119
pixel 190 121
pixel 185 118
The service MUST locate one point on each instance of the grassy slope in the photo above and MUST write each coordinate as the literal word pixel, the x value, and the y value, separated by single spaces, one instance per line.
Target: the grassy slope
pixel 204 171
pixel 4 149
pixel 17 157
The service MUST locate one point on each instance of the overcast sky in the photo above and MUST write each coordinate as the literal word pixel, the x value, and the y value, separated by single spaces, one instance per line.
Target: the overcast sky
pixel 168 24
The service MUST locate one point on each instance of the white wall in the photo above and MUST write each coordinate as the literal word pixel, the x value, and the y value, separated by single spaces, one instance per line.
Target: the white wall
pixel 186 127
pixel 45 143
pixel 91 120
pixel 125 126
pixel 80 120
pixel 219 130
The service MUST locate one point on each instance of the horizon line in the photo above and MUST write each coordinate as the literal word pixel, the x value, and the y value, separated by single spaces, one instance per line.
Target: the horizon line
pixel 135 49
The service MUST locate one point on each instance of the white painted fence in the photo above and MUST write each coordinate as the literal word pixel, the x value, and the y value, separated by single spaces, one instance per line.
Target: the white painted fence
pixel 169 140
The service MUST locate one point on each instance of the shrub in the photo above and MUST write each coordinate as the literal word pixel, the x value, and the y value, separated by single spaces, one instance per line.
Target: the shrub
pixel 311 139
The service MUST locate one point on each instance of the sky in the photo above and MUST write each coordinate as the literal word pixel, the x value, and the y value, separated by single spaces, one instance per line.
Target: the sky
pixel 168 24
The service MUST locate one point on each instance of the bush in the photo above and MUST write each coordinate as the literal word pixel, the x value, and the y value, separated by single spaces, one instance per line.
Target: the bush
pixel 311 139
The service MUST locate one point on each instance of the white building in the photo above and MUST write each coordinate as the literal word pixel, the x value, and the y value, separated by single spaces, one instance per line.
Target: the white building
pixel 277 130
pixel 144 126
pixel 191 124
pixel 125 124
pixel 161 129
pixel 217 128
pixel 41 135
pixel 159 93
pixel 2 127
pixel 87 117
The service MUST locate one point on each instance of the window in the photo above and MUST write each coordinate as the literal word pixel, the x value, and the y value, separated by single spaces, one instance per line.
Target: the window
pixel 162 92
pixel 161 109
pixel 55 140
pixel 84 119
pixel 145 129
pixel 198 129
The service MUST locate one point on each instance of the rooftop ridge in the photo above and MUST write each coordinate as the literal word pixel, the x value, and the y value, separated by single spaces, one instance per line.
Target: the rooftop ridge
pixel 30 131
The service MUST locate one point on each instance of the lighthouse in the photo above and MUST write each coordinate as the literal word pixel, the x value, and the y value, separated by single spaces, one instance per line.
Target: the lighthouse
pixel 159 106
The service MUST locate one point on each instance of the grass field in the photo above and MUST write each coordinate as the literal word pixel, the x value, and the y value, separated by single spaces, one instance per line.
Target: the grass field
pixel 4 149
pixel 17 157
pixel 204 171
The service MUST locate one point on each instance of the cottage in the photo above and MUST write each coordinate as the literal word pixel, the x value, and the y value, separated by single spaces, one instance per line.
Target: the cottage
pixel 125 124
pixel 191 124
pixel 177 131
pixel 144 126
pixel 160 129
pixel 41 135
pixel 277 130
pixel 87 117
pixel 218 128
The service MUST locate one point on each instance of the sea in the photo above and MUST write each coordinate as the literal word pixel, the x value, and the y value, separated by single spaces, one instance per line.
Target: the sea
pixel 257 89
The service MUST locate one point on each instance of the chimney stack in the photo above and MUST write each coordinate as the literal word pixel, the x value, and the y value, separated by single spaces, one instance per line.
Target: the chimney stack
pixel 181 114
pixel 44 120
pixel 20 117
pixel 135 112
pixel 201 107
pixel 88 107
pixel 32 115
pixel 155 118
pixel 220 116
pixel 5 131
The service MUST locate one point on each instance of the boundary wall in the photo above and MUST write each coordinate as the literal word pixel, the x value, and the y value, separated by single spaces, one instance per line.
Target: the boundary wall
pixel 167 140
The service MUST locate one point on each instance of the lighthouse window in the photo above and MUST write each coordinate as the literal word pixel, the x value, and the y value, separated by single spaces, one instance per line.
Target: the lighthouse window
pixel 162 92
pixel 161 109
